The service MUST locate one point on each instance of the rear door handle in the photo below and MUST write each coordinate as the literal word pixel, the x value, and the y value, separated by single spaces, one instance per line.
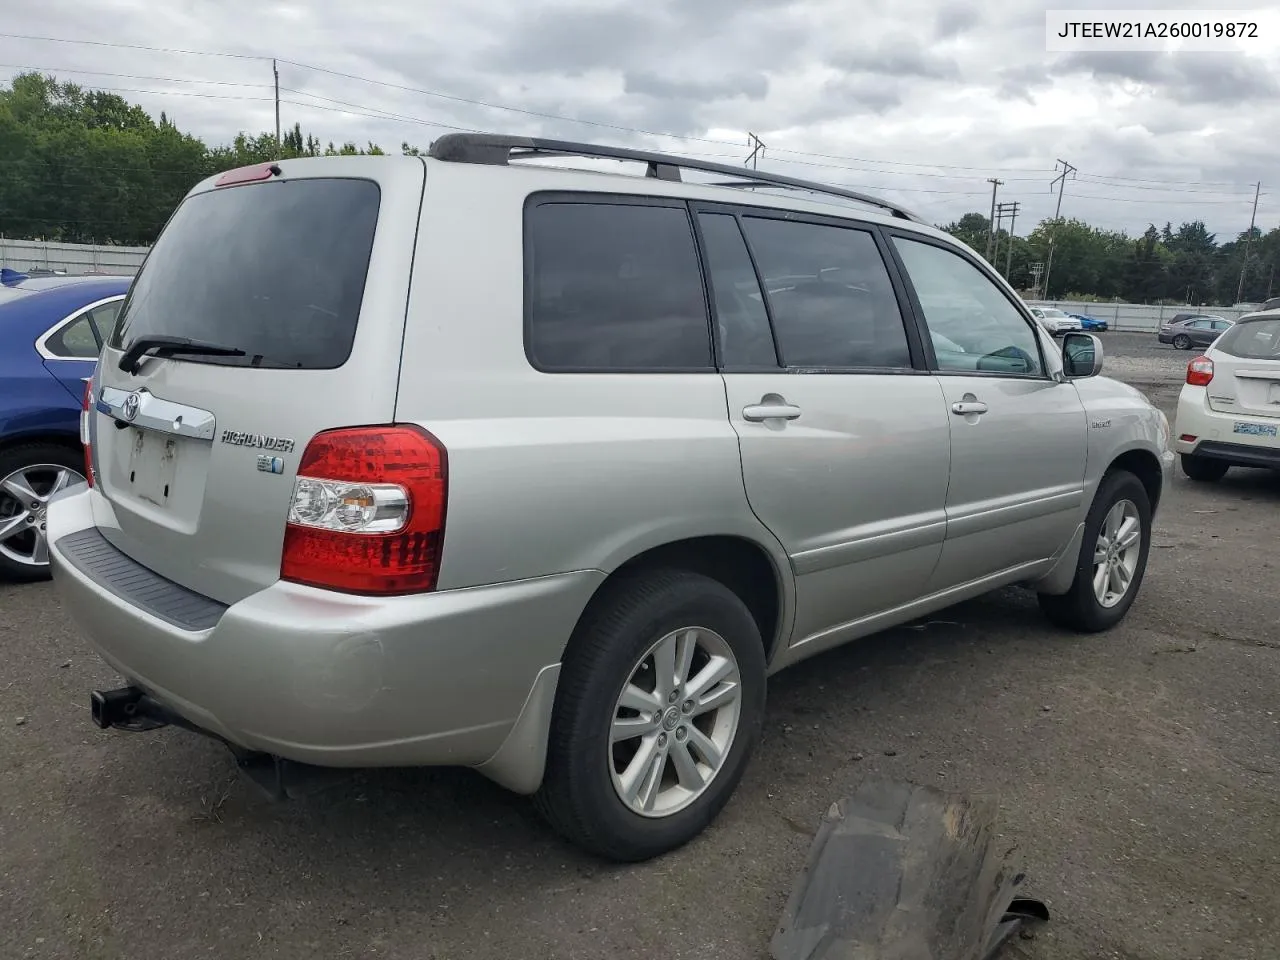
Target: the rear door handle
pixel 963 407
pixel 756 412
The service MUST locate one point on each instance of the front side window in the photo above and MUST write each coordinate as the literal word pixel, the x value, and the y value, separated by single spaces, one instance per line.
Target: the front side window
pixel 615 287
pixel 983 331
pixel 830 296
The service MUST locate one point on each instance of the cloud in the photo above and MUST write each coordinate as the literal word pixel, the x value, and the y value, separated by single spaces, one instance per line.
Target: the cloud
pixel 922 100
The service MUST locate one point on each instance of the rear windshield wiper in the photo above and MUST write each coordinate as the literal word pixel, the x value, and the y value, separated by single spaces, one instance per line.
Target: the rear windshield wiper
pixel 162 346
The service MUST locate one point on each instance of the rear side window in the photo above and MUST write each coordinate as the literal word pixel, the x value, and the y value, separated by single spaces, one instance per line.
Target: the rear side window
pixel 830 295
pixel 75 341
pixel 614 287
pixel 1252 340
pixel 274 269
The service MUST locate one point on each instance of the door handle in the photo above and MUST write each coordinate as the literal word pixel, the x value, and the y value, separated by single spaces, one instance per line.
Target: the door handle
pixel 777 410
pixel 965 407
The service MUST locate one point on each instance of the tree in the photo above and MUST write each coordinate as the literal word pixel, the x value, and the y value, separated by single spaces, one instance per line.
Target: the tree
pixel 87 166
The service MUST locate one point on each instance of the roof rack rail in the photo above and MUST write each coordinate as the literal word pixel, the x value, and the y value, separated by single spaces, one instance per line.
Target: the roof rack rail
pixel 497 150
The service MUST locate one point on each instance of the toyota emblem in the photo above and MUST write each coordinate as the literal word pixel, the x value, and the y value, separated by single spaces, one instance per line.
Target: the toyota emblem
pixel 130 407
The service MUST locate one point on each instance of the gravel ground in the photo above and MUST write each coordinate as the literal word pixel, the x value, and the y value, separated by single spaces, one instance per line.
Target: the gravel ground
pixel 1136 773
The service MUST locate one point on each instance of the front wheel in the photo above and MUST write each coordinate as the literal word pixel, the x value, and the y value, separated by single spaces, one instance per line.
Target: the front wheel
pixel 1202 469
pixel 659 707
pixel 1182 342
pixel 1113 558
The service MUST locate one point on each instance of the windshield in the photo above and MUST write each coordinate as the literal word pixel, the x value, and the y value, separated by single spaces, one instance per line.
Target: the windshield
pixel 1055 314
pixel 276 270
pixel 1254 340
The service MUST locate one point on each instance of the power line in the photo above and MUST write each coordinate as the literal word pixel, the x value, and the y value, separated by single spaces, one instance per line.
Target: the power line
pixel 539 114
pixel 132 46
pixel 130 76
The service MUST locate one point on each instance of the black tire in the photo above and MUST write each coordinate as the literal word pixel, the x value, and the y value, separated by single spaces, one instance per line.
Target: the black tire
pixel 577 796
pixel 1203 469
pixel 1079 609
pixel 1182 342
pixel 19 458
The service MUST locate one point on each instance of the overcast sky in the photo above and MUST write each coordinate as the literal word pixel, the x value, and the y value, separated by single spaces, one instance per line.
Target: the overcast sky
pixel 920 101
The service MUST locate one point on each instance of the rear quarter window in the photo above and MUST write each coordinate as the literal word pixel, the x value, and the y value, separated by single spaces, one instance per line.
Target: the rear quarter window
pixel 275 269
pixel 614 286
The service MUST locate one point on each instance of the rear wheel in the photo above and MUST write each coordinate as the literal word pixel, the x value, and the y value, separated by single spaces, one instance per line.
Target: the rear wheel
pixel 1113 558
pixel 1203 469
pixel 659 707
pixel 1182 342
pixel 29 475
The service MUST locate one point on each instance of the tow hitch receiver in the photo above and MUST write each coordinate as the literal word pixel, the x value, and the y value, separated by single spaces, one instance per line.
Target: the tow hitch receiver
pixel 128 708
pixel 132 709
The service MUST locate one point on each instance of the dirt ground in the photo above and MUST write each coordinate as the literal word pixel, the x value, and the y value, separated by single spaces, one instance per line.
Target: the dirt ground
pixel 1137 775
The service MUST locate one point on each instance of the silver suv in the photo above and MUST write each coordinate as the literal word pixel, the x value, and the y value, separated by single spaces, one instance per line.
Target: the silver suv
pixel 470 460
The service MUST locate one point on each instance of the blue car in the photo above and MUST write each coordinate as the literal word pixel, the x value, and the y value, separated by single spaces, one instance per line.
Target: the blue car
pixel 51 331
pixel 1089 323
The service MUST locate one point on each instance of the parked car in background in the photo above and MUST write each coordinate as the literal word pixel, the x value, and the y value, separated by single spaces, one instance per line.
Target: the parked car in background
pixel 51 330
pixel 1272 304
pixel 1055 320
pixel 1229 408
pixel 1091 324
pixel 1185 331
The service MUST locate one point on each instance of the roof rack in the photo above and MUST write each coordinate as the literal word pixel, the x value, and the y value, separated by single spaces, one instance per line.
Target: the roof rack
pixel 498 150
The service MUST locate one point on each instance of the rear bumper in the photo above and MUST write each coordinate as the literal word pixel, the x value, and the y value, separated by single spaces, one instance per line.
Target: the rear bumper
pixel 1214 433
pixel 324 678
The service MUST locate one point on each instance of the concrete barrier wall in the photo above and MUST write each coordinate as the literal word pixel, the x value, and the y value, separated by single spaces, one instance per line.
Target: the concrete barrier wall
pixel 70 258
pixel 1135 317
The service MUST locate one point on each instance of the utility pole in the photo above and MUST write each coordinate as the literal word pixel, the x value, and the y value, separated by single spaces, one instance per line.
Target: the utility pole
pixel 1012 209
pixel 991 221
pixel 275 71
pixel 1037 270
pixel 757 147
pixel 1061 181
pixel 1248 240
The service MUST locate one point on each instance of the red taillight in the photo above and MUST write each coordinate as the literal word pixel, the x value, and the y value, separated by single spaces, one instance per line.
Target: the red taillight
pixel 1200 372
pixel 86 411
pixel 368 511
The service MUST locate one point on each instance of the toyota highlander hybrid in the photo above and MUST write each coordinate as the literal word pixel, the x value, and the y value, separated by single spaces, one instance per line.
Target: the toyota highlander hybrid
pixel 466 460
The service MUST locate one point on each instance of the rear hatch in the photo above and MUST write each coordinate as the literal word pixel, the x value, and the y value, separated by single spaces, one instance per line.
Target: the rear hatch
pixel 1246 369
pixel 291 288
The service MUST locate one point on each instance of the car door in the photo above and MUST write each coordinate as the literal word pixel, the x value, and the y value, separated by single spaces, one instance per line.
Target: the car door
pixel 842 430
pixel 1018 436
pixel 70 348
pixel 1217 328
pixel 1200 332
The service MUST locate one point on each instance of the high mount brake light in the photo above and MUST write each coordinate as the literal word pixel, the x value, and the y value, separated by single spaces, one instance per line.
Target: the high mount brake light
pixel 368 511
pixel 1200 372
pixel 250 174
pixel 86 411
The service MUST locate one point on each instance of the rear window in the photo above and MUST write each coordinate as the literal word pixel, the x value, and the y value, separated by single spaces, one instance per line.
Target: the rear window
pixel 274 269
pixel 1252 340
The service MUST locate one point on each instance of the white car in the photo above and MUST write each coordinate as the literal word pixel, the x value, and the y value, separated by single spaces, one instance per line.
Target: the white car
pixel 1055 321
pixel 1229 409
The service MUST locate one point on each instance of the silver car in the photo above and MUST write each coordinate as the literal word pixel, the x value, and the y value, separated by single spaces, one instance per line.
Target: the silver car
pixel 464 460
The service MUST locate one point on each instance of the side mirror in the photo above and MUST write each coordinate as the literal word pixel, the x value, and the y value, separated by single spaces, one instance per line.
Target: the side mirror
pixel 1081 355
